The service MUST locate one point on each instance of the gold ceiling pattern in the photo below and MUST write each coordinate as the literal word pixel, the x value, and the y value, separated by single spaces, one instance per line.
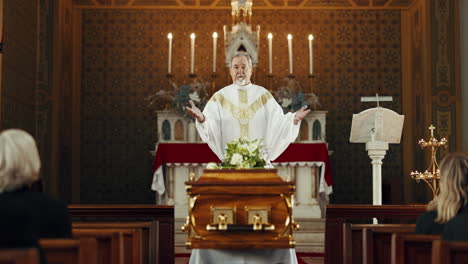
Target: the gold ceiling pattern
pixel 257 4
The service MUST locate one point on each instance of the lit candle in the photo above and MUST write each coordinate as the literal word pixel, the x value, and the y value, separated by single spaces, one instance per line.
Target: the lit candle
pixel 215 37
pixel 169 63
pixel 311 67
pixel 270 53
pixel 192 52
pixel 290 54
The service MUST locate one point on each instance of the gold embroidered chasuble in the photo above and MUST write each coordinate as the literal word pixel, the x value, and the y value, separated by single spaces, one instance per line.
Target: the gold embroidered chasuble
pixel 250 112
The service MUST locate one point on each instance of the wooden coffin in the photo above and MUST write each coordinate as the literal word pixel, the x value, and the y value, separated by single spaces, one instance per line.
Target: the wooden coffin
pixel 237 209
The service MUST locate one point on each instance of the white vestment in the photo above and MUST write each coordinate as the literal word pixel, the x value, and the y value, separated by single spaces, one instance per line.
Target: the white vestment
pixel 249 112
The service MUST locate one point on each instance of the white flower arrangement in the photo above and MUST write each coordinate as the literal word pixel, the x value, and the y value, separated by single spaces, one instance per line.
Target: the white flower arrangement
pixel 242 154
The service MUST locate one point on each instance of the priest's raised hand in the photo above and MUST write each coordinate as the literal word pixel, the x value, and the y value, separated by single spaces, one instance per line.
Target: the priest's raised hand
pixel 195 112
pixel 300 114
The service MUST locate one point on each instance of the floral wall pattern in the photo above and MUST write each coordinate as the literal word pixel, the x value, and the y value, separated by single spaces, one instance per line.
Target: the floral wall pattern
pixel 124 60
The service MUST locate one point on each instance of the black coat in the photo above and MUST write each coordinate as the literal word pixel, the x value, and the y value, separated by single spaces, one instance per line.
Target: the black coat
pixel 27 216
pixel 426 224
pixel 456 229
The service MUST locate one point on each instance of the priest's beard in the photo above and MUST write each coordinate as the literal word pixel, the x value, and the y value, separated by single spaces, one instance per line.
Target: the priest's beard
pixel 241 80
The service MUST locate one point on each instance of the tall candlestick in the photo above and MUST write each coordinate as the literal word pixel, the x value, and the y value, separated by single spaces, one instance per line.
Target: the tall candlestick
pixel 192 52
pixel 290 54
pixel 215 38
pixel 270 53
pixel 311 67
pixel 169 62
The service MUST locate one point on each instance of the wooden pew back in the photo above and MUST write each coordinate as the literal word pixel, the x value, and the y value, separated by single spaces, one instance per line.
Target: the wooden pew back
pixel 19 256
pixel 337 214
pixel 70 251
pixel 110 244
pixel 163 214
pixel 353 239
pixel 352 243
pixel 144 243
pixel 447 252
pixel 412 248
pixel 377 240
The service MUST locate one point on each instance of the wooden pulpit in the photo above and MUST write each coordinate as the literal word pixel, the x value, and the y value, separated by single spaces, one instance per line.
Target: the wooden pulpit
pixel 240 208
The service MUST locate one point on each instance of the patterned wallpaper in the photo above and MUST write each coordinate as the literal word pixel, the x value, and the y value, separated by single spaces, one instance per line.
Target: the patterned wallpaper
pixel 356 53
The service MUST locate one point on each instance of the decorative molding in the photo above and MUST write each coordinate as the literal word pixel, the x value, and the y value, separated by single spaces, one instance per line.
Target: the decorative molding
pixel 444 89
pixel 257 4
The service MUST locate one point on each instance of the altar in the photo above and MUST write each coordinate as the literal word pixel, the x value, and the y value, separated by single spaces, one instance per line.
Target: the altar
pixel 180 152
pixel 307 164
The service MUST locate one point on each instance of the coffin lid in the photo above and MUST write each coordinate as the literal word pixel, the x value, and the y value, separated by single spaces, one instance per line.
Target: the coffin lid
pixel 241 176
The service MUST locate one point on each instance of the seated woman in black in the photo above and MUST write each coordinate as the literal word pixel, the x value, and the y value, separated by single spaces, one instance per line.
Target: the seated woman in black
pixel 26 216
pixel 457 228
pixel 452 198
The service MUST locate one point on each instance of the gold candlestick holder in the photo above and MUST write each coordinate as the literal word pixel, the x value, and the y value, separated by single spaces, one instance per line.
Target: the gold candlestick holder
pixel 430 176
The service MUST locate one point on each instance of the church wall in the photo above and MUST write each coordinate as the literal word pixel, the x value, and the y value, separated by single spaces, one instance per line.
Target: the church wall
pixel 18 98
pixel 56 103
pixel 65 99
pixel 464 68
pixel 43 88
pixel 124 60
pixel 431 88
pixel 416 94
pixel 445 73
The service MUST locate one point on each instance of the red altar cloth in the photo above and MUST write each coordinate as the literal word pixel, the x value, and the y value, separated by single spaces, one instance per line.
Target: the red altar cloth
pixel 201 153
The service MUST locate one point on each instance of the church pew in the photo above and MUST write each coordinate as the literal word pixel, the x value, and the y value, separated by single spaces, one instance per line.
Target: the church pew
pixel 412 248
pixel 133 245
pixel 447 252
pixel 352 243
pixel 148 229
pixel 70 251
pixel 110 244
pixel 162 214
pixel 377 241
pixel 353 238
pixel 337 214
pixel 19 256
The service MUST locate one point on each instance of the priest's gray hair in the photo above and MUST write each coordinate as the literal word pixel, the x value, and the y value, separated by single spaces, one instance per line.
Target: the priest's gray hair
pixel 243 54
pixel 453 187
pixel 19 160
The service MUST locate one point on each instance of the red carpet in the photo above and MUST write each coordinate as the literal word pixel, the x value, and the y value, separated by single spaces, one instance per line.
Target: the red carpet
pixel 300 257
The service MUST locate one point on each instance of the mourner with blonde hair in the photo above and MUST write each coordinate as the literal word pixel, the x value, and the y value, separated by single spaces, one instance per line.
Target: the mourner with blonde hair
pixel 452 198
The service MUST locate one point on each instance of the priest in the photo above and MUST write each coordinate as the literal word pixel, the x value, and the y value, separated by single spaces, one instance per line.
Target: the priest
pixel 245 110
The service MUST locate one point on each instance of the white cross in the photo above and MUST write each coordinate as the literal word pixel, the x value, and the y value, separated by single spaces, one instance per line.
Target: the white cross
pixel 432 130
pixel 376 98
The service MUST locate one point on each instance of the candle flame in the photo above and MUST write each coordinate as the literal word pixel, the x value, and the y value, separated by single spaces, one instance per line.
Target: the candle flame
pixel 289 36
pixel 311 37
pixel 270 36
pixel 169 36
pixel 192 36
pixel 215 35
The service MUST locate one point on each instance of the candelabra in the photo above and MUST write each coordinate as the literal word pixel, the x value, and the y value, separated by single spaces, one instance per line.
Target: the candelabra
pixel 430 176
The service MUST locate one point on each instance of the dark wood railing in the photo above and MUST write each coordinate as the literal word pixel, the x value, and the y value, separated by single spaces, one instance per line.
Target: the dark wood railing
pixel 336 215
pixel 164 215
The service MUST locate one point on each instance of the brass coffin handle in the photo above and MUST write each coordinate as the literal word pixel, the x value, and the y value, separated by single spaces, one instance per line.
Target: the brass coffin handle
pixel 245 228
